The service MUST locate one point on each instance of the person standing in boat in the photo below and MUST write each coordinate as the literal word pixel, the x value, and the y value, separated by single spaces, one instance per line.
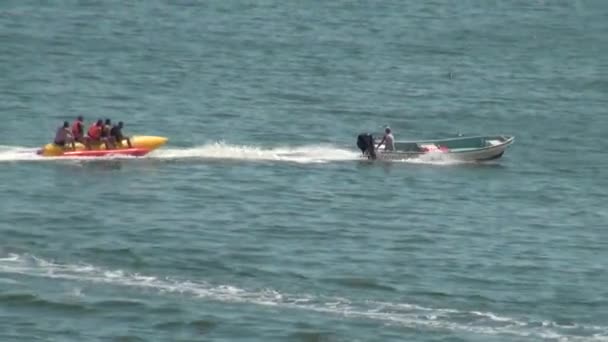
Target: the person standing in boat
pixel 388 140
pixel 64 136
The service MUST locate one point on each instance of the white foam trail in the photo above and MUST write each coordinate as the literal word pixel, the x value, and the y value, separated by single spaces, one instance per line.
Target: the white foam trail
pixel 396 314
pixel 23 154
pixel 217 151
pixel 301 154
pixel 16 153
pixel 297 154
pixel 307 154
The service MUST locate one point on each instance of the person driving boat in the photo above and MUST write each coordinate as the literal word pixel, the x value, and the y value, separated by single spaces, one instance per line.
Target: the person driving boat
pixel 388 140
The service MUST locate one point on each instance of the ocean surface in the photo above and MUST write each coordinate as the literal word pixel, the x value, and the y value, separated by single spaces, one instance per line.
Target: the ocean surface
pixel 258 221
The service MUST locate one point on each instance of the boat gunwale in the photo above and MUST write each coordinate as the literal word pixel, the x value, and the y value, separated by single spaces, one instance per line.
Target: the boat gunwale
pixel 506 137
pixel 500 148
pixel 509 140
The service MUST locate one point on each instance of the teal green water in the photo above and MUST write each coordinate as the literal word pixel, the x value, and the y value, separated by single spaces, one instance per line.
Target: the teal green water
pixel 258 221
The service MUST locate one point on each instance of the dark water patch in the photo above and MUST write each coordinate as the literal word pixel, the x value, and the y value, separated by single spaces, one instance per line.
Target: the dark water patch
pixel 170 326
pixel 600 84
pixel 430 50
pixel 416 242
pixel 121 304
pixel 38 303
pixel 251 273
pixel 361 283
pixel 589 303
pixel 21 337
pixel 249 257
pixel 296 97
pixel 20 234
pixel 313 336
pixel 296 275
pixel 118 255
pixel 475 281
pixel 201 327
pixel 431 294
pixel 126 338
pixel 17 298
pixel 191 263
pixel 352 113
pixel 170 309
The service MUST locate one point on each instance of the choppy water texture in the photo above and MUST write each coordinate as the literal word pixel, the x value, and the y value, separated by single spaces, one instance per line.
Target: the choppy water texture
pixel 258 221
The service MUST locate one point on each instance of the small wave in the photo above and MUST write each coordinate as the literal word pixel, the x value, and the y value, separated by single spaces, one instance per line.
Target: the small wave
pixel 396 314
pixel 363 283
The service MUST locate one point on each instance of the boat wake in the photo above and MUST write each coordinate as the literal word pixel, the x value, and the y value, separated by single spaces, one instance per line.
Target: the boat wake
pixel 221 151
pixel 15 268
pixel 13 153
pixel 213 151
pixel 307 154
pixel 25 154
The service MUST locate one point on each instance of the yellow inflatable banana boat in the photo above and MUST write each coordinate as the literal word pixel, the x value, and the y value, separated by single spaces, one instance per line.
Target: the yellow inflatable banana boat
pixel 140 146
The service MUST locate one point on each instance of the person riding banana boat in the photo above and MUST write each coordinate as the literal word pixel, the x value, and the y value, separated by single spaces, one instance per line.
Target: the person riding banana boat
pixel 102 138
pixel 94 134
pixel 64 136
pixel 98 133
pixel 105 134
pixel 78 132
pixel 117 136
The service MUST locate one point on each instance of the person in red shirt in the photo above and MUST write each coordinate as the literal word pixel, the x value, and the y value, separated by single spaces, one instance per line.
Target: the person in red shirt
pixel 94 134
pixel 78 132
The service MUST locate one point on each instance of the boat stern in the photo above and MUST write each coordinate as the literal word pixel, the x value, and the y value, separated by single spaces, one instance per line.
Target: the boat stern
pixel 365 142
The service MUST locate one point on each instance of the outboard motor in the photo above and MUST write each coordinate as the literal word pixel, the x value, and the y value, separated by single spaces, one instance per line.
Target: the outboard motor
pixel 365 142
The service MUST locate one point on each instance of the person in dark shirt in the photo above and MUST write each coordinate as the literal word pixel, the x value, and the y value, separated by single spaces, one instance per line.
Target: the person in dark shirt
pixel 117 136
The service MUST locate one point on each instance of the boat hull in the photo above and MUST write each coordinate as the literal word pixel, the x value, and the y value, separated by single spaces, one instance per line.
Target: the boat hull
pixel 463 149
pixel 135 152
pixel 140 146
